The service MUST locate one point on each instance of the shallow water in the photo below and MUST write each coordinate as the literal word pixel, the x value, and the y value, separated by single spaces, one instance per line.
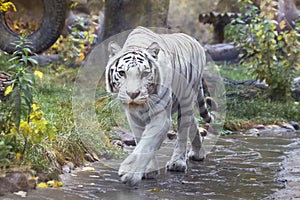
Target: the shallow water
pixel 239 167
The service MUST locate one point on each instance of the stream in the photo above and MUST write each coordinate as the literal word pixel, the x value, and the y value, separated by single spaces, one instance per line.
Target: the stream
pixel 239 167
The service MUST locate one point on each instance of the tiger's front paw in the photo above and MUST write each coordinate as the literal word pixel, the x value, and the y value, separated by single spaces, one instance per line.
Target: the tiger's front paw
pixel 130 178
pixel 178 165
pixel 132 169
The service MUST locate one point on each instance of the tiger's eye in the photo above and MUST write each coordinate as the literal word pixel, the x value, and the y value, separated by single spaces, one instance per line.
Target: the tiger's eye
pixel 145 74
pixel 122 73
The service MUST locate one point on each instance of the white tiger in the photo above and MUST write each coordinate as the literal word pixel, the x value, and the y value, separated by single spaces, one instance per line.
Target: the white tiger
pixel 155 75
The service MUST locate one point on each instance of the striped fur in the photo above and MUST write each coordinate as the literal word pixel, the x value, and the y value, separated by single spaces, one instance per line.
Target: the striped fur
pixel 154 76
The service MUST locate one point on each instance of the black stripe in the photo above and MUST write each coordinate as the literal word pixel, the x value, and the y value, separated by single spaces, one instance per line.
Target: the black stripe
pixel 204 113
pixel 201 103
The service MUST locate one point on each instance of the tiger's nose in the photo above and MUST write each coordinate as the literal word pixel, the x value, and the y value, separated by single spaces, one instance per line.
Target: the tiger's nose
pixel 133 95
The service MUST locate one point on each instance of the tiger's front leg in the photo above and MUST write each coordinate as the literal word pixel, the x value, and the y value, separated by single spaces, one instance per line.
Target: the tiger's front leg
pixel 178 161
pixel 134 167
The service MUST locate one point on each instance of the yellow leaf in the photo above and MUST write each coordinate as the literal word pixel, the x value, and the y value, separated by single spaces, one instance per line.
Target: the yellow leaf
pixel 59 184
pixel 298 66
pixel 107 142
pixel 38 74
pixel 54 184
pixel 34 107
pixel 51 183
pixel 8 90
pixel 25 128
pixel 282 24
pixel 18 156
pixel 154 190
pixel 105 165
pixel 88 169
pixel 42 185
pixel 252 179
pixel 81 56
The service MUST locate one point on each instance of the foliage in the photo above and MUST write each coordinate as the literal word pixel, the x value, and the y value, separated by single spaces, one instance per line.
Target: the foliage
pixel 5 152
pixel 21 87
pixel 75 46
pixel 5 5
pixel 248 105
pixel 270 52
pixel 24 126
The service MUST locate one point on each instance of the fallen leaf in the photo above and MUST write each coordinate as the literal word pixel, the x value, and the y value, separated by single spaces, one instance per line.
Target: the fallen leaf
pixel 42 185
pixel 105 165
pixel 91 169
pixel 21 194
pixel 154 190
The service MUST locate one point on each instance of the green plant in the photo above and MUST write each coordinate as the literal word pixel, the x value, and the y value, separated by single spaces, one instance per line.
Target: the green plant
pixel 74 47
pixel 5 152
pixel 21 87
pixel 269 51
pixel 24 122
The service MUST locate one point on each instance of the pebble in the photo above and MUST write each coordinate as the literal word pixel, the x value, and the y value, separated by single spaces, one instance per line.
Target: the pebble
pixel 66 169
pixel 117 143
pixel 171 135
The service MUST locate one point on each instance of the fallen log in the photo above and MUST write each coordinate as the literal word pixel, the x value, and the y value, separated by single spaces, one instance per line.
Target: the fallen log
pixel 222 52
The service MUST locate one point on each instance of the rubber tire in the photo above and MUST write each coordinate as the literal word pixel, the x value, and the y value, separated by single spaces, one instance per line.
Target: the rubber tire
pixel 54 15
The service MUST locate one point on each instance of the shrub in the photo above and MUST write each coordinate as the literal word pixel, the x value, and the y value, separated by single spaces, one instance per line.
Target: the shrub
pixel 25 127
pixel 269 51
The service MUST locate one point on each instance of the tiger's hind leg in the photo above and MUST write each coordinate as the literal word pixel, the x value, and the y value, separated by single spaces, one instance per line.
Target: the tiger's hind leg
pixel 196 152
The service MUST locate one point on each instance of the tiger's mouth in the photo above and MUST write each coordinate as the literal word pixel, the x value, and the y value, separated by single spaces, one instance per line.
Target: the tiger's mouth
pixel 135 104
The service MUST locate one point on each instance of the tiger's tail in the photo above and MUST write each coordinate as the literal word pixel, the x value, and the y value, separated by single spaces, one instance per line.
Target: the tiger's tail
pixel 202 107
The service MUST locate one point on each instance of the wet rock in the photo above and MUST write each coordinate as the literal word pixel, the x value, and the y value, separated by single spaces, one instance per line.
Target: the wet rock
pixel 71 165
pixel 260 127
pixel 253 131
pixel 295 125
pixel 271 129
pixel 172 135
pixel 16 181
pixel 288 127
pixel 126 138
pixel 68 167
pixel 273 126
pixel 117 143
pixel 6 186
pixel 45 177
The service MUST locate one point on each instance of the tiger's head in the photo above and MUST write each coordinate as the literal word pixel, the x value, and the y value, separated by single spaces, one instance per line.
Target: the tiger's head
pixel 133 74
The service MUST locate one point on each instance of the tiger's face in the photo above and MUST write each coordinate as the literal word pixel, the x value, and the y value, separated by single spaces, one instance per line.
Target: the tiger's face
pixel 133 77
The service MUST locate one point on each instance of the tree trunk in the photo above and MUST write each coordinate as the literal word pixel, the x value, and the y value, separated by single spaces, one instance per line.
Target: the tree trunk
pixel 122 15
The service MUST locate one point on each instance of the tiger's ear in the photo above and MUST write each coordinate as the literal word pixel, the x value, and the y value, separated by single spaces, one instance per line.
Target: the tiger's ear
pixel 153 50
pixel 113 48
